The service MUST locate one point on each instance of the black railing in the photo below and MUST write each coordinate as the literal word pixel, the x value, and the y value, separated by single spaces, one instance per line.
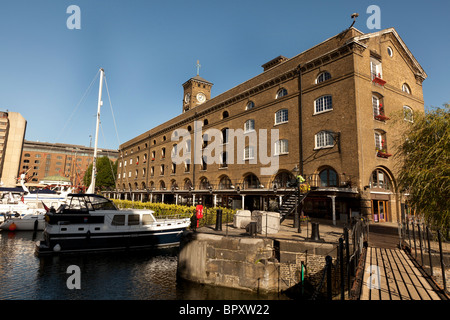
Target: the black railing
pixel 339 276
pixel 430 248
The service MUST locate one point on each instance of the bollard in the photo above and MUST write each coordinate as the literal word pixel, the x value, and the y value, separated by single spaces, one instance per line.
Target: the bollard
pixel 341 262
pixel 315 236
pixel 328 260
pixel 219 220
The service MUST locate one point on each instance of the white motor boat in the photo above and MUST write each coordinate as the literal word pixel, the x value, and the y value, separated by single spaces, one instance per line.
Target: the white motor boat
pixel 27 222
pixel 90 222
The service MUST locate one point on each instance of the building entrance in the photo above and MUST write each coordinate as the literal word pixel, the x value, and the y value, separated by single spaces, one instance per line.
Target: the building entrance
pixel 380 210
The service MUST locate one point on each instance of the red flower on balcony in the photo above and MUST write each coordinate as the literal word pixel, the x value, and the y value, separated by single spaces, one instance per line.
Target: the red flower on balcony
pixel 383 154
pixel 381 117
pixel 377 79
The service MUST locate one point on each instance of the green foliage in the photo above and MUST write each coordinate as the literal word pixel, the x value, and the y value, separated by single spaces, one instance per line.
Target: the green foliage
pixel 106 172
pixel 425 168
pixel 164 209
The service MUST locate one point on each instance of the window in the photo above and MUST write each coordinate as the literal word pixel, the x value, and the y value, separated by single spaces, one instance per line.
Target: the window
pixel 378 108
pixel 375 68
pixel 282 93
pixel 204 183
pixel 133 220
pixel 408 114
pixel 248 153
pixel 328 178
pixel 204 163
pixel 324 139
pixel 225 135
pixel 224 160
pixel 323 104
pixel 406 88
pixel 187 166
pixel 281 116
pixel 390 51
pixel 162 170
pixel 118 220
pixel 174 167
pixel 225 114
pixel 379 179
pixel 324 76
pixel 251 182
pixel 249 125
pixel 380 144
pixel 281 147
pixel 225 183
pixel 147 219
pixel 250 105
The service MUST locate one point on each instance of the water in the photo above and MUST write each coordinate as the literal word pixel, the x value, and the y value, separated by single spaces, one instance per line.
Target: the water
pixel 137 275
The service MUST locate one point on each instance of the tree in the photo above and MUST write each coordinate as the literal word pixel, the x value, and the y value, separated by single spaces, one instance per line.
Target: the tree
pixel 425 165
pixel 106 173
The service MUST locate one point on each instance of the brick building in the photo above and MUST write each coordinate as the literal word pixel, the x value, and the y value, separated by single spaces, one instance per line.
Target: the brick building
pixel 44 161
pixel 329 106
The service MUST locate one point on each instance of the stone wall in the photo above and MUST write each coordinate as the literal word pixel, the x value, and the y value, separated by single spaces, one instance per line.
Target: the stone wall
pixel 257 264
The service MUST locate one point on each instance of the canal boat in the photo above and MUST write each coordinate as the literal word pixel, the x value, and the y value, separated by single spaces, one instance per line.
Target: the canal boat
pixel 90 222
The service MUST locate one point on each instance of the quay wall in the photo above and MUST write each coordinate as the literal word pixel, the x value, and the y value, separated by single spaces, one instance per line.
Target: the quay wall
pixel 247 263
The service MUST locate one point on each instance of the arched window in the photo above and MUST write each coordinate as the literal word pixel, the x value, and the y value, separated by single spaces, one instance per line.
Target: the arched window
pixel 281 93
pixel 249 125
pixel 324 76
pixel 225 114
pixel 323 104
pixel 406 88
pixel 162 185
pixel 204 183
pixel 328 178
pixel 281 116
pixel 225 183
pixel 282 179
pixel 250 105
pixel 251 182
pixel 225 135
pixel 380 179
pixel 324 139
pixel 187 184
pixel 408 114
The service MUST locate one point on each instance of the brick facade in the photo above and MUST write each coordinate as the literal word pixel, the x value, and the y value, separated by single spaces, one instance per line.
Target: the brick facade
pixel 328 121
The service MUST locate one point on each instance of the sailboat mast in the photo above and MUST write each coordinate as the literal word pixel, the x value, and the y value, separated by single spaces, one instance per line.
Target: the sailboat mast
pixel 91 188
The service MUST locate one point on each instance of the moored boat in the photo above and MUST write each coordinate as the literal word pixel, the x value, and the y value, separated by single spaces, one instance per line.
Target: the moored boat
pixel 90 222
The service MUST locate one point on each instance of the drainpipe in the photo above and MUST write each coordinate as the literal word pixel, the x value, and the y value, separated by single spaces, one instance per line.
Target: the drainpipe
pixel 300 129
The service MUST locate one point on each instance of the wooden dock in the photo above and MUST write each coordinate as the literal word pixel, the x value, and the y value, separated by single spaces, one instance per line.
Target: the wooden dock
pixel 389 274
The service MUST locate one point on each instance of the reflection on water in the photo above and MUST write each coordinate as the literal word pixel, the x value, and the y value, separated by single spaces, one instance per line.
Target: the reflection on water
pixel 138 275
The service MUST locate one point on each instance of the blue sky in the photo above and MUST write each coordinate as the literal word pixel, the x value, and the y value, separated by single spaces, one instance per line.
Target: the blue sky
pixel 149 48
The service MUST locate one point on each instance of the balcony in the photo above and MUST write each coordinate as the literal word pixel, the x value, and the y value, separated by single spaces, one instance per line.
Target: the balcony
pixel 383 154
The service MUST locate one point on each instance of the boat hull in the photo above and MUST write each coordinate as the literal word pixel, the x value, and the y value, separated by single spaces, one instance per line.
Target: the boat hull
pixel 106 241
pixel 18 224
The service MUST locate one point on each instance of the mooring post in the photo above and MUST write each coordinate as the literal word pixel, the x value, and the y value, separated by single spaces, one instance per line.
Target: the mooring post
pixel 328 266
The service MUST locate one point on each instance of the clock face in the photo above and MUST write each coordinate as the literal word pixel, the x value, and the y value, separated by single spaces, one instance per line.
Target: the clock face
pixel 201 97
pixel 187 98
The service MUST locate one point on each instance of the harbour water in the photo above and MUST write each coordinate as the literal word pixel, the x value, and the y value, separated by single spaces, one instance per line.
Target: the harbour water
pixel 136 275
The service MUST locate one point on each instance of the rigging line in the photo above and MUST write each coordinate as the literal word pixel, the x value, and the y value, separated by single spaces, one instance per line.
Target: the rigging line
pixel 112 112
pixel 77 106
pixel 107 152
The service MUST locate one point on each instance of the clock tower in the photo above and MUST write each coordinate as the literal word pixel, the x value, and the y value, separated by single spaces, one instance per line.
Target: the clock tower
pixel 196 91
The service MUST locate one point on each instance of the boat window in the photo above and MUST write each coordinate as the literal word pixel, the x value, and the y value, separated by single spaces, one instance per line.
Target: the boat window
pixel 133 219
pixel 118 220
pixel 76 204
pixel 147 219
pixel 99 203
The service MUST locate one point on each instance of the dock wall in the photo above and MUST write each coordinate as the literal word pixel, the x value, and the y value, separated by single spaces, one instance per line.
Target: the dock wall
pixel 256 264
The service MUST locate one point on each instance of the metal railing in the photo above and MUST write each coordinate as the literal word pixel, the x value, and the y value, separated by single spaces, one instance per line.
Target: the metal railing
pixel 430 248
pixel 339 275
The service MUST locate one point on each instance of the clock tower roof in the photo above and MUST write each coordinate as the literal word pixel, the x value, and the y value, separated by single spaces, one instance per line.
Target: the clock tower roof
pixel 199 79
